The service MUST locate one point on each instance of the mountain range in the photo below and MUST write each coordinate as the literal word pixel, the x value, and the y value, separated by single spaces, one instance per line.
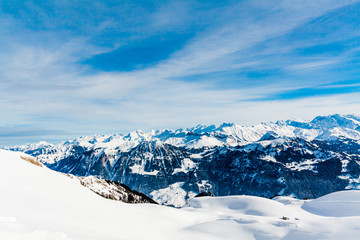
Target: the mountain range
pixel 302 158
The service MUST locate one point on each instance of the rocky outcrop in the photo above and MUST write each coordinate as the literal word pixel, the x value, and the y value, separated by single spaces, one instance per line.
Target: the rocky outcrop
pixel 205 194
pixel 115 191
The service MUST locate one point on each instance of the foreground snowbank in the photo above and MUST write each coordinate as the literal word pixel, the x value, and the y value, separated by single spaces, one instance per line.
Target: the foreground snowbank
pixel 37 203
pixel 338 204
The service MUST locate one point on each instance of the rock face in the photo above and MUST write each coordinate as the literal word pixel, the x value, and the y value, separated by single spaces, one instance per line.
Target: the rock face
pixel 113 190
pixel 306 159
pixel 205 194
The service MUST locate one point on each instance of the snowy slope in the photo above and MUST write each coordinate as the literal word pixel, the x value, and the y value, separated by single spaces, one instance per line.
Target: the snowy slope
pixel 37 203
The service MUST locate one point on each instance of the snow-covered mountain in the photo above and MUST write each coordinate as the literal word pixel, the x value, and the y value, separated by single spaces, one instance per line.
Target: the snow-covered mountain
pixel 39 204
pixel 306 159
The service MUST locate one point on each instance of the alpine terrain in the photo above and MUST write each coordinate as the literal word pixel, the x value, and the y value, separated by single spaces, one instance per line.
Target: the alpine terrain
pixel 305 159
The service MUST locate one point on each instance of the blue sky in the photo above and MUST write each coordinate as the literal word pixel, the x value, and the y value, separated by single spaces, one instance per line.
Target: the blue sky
pixel 72 68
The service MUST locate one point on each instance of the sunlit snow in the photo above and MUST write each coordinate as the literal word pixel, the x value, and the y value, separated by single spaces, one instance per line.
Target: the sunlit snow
pixel 37 203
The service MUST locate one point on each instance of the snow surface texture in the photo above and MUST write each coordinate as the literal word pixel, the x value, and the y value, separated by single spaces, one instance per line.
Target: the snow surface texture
pixel 39 204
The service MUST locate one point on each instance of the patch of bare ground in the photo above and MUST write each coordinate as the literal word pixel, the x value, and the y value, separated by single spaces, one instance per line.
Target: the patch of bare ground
pixel 32 160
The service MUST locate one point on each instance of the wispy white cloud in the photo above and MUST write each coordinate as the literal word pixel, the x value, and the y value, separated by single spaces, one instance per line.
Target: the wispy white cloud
pixel 46 85
pixel 311 65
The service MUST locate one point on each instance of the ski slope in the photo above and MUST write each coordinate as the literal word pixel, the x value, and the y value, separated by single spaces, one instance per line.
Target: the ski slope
pixel 37 203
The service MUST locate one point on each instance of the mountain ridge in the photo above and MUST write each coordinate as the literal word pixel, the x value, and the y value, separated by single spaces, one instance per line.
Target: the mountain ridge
pixel 319 122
